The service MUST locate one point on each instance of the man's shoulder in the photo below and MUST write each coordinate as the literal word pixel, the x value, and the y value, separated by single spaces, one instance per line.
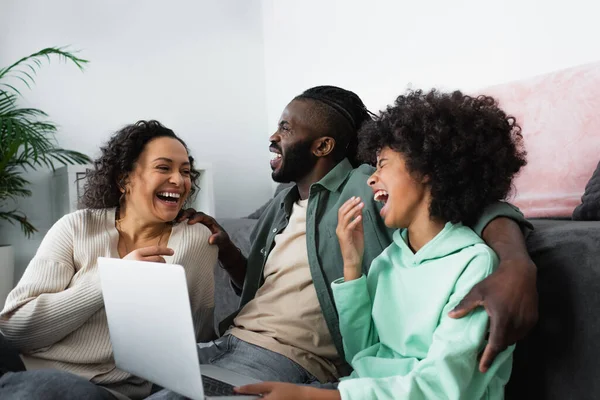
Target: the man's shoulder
pixel 364 169
pixel 361 174
pixel 357 180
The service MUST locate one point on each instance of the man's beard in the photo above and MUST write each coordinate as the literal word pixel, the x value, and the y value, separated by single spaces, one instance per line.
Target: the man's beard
pixel 296 162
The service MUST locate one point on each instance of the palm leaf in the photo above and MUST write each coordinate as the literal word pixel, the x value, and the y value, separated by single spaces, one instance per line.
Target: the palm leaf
pixel 18 217
pixel 7 102
pixel 33 61
pixel 27 137
pixel 27 74
pixel 14 89
pixel 13 185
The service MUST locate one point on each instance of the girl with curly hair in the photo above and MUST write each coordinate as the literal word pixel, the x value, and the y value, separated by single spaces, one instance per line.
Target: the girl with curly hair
pixel 441 159
pixel 55 316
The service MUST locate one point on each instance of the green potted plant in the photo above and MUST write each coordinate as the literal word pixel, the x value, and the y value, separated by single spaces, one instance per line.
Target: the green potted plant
pixel 27 142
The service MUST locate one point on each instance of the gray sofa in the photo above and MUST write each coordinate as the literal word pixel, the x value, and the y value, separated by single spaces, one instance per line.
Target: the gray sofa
pixel 560 359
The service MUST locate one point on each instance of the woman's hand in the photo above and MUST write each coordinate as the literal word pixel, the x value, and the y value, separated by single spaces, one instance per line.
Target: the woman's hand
pixel 150 253
pixel 288 391
pixel 351 237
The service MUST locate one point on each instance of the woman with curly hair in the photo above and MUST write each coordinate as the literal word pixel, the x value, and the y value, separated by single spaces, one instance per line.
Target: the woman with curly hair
pixel 55 316
pixel 441 159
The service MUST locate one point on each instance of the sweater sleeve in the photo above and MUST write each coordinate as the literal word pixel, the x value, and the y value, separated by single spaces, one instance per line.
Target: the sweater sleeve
pixel 51 300
pixel 451 363
pixel 354 306
pixel 199 264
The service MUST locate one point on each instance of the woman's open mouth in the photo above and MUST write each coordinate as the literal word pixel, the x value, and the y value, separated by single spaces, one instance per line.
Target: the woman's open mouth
pixel 169 198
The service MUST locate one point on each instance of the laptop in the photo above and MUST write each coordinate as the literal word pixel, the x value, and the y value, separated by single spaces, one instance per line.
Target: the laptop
pixel 151 330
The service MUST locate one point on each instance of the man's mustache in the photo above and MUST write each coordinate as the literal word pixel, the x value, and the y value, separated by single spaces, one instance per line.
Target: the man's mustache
pixel 274 148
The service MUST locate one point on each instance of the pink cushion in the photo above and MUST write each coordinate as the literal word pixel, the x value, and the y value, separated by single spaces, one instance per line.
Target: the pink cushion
pixel 560 117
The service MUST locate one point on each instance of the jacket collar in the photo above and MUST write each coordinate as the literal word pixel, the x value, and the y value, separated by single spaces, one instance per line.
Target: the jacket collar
pixel 331 182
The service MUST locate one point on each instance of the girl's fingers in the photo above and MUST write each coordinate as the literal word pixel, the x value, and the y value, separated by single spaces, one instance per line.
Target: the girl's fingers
pixel 353 213
pixel 351 202
pixel 355 222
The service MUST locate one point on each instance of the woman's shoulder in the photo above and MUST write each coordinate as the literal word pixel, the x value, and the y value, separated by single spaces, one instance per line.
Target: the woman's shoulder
pixel 83 217
pixel 191 243
pixel 193 231
pixel 193 238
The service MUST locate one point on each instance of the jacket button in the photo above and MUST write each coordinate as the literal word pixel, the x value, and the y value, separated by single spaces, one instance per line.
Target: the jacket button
pixel 274 230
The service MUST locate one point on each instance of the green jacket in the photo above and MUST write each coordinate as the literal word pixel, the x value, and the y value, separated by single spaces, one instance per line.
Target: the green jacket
pixel 324 256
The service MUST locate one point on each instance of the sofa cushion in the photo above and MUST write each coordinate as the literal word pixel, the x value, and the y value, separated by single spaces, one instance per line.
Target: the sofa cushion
pixel 559 116
pixel 226 300
pixel 259 211
pixel 589 209
pixel 559 359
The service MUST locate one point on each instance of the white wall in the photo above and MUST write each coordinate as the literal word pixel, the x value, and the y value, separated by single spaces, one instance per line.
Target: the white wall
pixel 377 48
pixel 196 66
pixel 202 68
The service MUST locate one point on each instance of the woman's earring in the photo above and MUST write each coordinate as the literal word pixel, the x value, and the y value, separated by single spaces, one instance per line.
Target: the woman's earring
pixel 122 197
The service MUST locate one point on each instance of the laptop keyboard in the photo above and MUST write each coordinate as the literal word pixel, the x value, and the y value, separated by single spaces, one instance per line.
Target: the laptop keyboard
pixel 213 387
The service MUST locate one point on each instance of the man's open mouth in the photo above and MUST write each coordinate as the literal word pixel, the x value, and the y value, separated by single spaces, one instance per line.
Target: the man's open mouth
pixel 275 159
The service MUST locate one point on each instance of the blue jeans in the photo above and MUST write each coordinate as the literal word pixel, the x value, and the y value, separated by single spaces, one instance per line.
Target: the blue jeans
pixel 49 384
pixel 18 384
pixel 246 359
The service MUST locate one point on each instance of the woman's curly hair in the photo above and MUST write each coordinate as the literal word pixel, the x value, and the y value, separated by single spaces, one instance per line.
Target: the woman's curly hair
pixel 111 170
pixel 467 146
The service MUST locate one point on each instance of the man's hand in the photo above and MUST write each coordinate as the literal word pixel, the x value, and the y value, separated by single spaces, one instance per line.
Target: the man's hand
pixel 288 391
pixel 351 237
pixel 231 258
pixel 150 253
pixel 509 296
pixel 219 237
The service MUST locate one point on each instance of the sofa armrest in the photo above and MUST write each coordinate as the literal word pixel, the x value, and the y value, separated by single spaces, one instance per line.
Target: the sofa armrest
pixel 559 359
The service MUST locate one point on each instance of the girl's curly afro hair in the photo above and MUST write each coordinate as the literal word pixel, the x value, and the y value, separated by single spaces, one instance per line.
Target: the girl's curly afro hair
pixel 467 146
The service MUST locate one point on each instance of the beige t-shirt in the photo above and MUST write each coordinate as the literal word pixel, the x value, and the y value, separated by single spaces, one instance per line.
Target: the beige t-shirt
pixel 285 316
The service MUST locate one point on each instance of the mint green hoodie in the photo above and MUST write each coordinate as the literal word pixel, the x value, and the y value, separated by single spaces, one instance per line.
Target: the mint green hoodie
pixel 395 326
